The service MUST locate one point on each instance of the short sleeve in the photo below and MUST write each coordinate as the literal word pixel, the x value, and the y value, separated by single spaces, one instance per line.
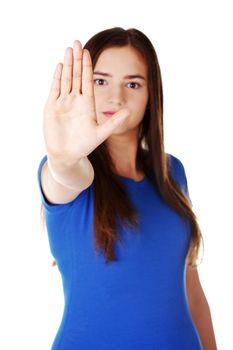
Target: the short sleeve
pixel 179 175
pixel 50 207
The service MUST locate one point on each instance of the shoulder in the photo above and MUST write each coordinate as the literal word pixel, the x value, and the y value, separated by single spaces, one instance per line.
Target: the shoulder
pixel 175 165
pixel 177 171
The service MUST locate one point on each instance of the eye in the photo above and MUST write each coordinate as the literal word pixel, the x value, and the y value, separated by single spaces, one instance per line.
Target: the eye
pixel 133 84
pixel 99 81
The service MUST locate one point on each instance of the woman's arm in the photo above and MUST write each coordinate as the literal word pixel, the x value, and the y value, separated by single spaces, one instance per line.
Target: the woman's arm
pixel 200 310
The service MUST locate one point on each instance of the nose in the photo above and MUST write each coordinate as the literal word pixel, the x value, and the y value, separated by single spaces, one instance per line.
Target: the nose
pixel 116 95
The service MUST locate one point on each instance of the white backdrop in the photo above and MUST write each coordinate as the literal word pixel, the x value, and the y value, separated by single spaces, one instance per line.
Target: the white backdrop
pixel 194 45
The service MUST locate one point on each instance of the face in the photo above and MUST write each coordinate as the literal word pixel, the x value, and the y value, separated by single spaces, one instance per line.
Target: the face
pixel 120 80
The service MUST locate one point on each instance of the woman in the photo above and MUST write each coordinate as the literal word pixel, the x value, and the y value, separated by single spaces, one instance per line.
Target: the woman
pixel 117 209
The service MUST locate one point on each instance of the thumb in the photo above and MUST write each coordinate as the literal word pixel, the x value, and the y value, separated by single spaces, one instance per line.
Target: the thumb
pixel 119 117
pixel 107 128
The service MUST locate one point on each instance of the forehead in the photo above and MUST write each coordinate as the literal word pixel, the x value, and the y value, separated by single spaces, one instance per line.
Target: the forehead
pixel 124 60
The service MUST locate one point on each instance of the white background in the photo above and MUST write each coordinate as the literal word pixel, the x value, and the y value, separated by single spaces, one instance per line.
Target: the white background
pixel 193 42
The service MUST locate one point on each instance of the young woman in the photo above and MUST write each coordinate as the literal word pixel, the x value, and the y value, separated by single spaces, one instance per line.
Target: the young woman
pixel 117 209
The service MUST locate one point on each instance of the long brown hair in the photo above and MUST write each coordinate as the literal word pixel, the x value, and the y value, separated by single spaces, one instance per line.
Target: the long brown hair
pixel 111 201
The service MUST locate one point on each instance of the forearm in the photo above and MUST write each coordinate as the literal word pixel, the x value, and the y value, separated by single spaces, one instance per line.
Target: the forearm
pixel 202 318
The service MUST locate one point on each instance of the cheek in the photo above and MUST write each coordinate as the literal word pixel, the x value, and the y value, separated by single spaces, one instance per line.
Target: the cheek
pixel 140 104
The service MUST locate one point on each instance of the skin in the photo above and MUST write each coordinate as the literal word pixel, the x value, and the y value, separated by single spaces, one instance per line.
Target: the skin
pixel 199 309
pixel 70 124
pixel 115 92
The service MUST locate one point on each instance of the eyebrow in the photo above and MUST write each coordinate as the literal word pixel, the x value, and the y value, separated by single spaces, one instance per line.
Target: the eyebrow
pixel 132 76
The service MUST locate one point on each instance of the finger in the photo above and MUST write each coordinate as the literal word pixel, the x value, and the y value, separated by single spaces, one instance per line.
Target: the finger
pixel 56 83
pixel 106 129
pixel 66 78
pixel 77 68
pixel 87 74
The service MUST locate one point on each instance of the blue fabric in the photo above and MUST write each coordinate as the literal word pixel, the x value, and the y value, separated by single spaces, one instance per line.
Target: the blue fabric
pixel 138 302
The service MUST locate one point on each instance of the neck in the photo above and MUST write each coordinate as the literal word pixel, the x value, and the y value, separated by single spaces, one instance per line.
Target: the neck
pixel 123 151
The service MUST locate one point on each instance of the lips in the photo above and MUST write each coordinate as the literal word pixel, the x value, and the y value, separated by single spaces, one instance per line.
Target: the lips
pixel 109 113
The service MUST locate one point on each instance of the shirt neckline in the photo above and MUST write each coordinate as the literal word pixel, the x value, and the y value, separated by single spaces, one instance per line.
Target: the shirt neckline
pixel 132 181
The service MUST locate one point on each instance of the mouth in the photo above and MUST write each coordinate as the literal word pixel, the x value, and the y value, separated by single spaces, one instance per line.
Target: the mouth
pixel 109 114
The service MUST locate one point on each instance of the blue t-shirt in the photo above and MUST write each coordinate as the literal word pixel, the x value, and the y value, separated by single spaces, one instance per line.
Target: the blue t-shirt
pixel 138 302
